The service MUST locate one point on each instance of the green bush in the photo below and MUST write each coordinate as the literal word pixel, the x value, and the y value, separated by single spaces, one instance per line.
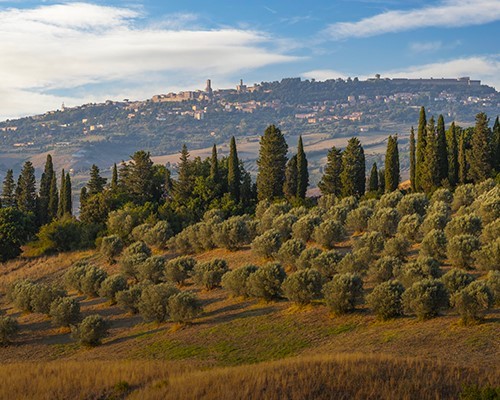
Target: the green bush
pixel 488 205
pixel 383 269
pixel 184 307
pixel 74 274
pixel 327 201
pixel 178 269
pixel 386 300
pixel 414 203
pixel 151 269
pixel 235 281
pixel 456 279
pixel 153 304
pixel 265 283
pixel 409 227
pixel 129 299
pixel 304 227
pixel 307 257
pixel 414 271
pixel 390 200
pixel 356 262
pixel 65 311
pixel 491 231
pixel 290 252
pixel 233 233
pixel 303 286
pixel 21 294
pixel 396 247
pixel 326 263
pixel 43 295
pixel 61 235
pixel 139 232
pixel 111 286
pixel 460 249
pixel 464 225
pixel 442 194
pixel 328 233
pixel 111 247
pixel 373 241
pixel 464 196
pixel 357 219
pixel 434 221
pixel 91 330
pixel 488 257
pixel 91 281
pixel 283 224
pixel 434 245
pixel 209 274
pixel 268 244
pixel 343 293
pixel 493 281
pixel 133 256
pixel 472 301
pixel 159 234
pixel 385 221
pixel 425 298
pixel 8 330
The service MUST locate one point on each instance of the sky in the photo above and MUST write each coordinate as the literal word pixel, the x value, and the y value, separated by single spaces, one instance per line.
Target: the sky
pixel 79 52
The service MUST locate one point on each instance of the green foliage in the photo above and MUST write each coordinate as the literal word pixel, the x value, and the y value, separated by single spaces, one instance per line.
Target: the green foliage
pixel 307 257
pixel 434 245
pixel 488 257
pixel 26 189
pixel 467 224
pixel 472 301
pixel 283 224
pixel 184 307
pixel 396 247
pixel 291 175
pixel 384 220
pixel 420 153
pixel 139 232
pixel 415 203
pixel 151 269
pixel 111 247
pixel 456 279
pixel 65 311
pixel 235 281
pixel 373 180
pixel 330 183
pixel 460 250
pixel 268 244
pixel 326 263
pixel 303 286
pixel 233 233
pixel 414 271
pixel 442 194
pixel 488 205
pixel 302 172
pixel 357 219
pixel 328 233
pixel 91 330
pixel 265 283
pixel 392 176
pixel 15 229
pixel 290 252
pixel 64 234
pixel 153 304
pixel 91 280
pixel 343 293
pixel 373 241
pixel 21 294
pixel 386 300
pixel 425 298
pixel 159 234
pixel 42 297
pixel 409 227
pixel 129 299
pixel 304 227
pixel 178 269
pixel 384 268
pixel 434 221
pixel 133 256
pixel 493 281
pixel 209 274
pixel 9 328
pixel 111 286
pixel 390 200
pixel 464 196
pixel 122 221
pixel 413 161
pixel 480 159
pixel 352 176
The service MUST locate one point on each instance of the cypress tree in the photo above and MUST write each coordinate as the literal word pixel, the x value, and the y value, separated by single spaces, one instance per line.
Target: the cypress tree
pixel 330 181
pixel 84 195
pixel 480 159
pixel 291 178
pixel 442 150
pixel 234 172
pixel 96 183
pixel 183 186
pixel 8 189
pixel 139 178
pixel 214 165
pixel 462 159
pixel 412 161
pixel 421 144
pixel 496 145
pixel 452 146
pixel 61 209
pixel 26 189
pixel 373 181
pixel 53 198
pixel 271 164
pixel 429 176
pixel 353 169
pixel 381 180
pixel 392 165
pixel 44 193
pixel 114 178
pixel 302 172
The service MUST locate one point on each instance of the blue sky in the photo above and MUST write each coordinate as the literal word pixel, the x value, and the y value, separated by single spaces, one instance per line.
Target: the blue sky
pixel 80 52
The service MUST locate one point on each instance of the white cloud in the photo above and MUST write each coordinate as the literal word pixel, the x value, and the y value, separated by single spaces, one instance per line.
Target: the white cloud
pixel 425 47
pixel 56 48
pixel 449 13
pixel 324 74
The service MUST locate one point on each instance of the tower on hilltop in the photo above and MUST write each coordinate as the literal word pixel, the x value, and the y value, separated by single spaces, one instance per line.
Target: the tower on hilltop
pixel 208 89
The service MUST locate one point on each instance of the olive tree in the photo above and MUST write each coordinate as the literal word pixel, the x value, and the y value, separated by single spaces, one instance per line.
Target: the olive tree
pixel 343 293
pixel 384 220
pixel 265 283
pixel 290 252
pixel 184 307
pixel 111 247
pixel 178 269
pixel 460 250
pixel 303 286
pixel 434 245
pixel 425 298
pixel 386 300
pixel 328 233
pixel 65 311
pixel 9 328
pixel 472 301
pixel 111 286
pixel 456 279
pixel 209 274
pixel 153 304
pixel 235 281
pixel 267 244
pixel 91 330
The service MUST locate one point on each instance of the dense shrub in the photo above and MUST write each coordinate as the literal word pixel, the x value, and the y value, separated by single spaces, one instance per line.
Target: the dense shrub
pixel 111 286
pixel 442 194
pixel 460 249
pixel 493 281
pixel 8 330
pixel 434 245
pixel 414 271
pixel 488 257
pixel 129 299
pixel 133 256
pixel 153 304
pixel 122 221
pixel 267 244
pixel 91 330
pixel 373 241
pixel 328 233
pixel 21 294
pixel 383 269
pixel 327 201
pixel 43 295
pixel 290 252
pixel 151 269
pixel 140 231
pixel 472 301
pixel 266 221
pixel 425 298
pixel 440 207
pixel 491 231
pixel 178 269
pixel 463 225
pixel 396 247
pixel 326 263
pixel 65 311
pixel 390 200
pixel 159 234
pixel 304 227
pixel 74 274
pixel 409 226
pixel 209 274
pixel 235 281
pixel 415 203
pixel 343 293
pixel 488 205
pixel 456 279
pixel 385 220
pixel 356 262
pixel 303 286
pixel 464 196
pixel 386 300
pixel 283 224
pixel 434 221
pixel 307 257
pixel 233 233
pixel 184 307
pixel 63 234
pixel 357 219
pixel 91 281
pixel 111 247
pixel 265 283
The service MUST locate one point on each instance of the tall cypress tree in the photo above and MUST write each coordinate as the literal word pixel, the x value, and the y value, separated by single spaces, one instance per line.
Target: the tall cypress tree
pixel 381 180
pixel 291 178
pixel 353 169
pixel 480 159
pixel 68 203
pixel 84 195
pixel 442 151
pixel 184 184
pixel 114 178
pixel 452 146
pixel 214 165
pixel 53 198
pixel 271 164
pixel 496 145
pixel 26 189
pixel 330 181
pixel 392 176
pixel 412 161
pixel 421 144
pixel 96 183
pixel 429 176
pixel 462 158
pixel 373 181
pixel 234 172
pixel 61 208
pixel 302 172
pixel 8 189
pixel 44 193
